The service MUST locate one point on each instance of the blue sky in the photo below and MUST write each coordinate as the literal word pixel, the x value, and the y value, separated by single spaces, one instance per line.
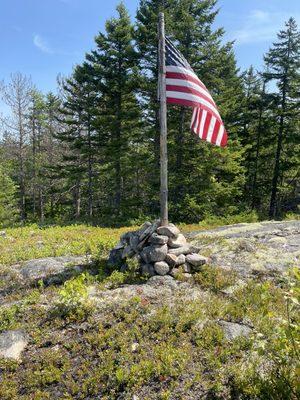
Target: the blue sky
pixel 42 38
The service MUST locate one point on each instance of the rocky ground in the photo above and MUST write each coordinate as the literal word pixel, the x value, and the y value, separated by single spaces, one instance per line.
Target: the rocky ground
pixel 70 331
pixel 157 250
pixel 258 248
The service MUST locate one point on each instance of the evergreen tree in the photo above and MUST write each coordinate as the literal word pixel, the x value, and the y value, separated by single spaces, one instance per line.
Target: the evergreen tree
pixel 8 200
pixel 51 150
pixel 283 61
pixel 252 106
pixel 194 166
pixel 88 144
pixel 43 153
pixel 93 153
pixel 114 62
pixel 257 135
pixel 147 45
pixel 72 169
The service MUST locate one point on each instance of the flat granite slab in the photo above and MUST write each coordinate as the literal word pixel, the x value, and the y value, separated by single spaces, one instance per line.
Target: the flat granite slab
pixel 251 248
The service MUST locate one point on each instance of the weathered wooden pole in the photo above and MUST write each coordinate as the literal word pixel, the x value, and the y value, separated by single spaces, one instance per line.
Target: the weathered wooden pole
pixel 163 122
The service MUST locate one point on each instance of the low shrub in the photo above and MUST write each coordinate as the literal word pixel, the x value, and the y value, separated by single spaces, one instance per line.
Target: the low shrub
pixel 214 278
pixel 8 317
pixel 73 301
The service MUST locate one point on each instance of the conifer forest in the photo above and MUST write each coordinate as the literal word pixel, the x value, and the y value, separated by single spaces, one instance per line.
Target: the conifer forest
pixel 90 151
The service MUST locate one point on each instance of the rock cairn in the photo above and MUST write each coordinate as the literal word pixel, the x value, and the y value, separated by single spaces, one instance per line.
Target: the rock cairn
pixel 159 250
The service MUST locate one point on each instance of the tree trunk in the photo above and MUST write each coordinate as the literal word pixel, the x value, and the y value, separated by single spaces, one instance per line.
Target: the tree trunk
pixel 257 150
pixel 118 172
pixel 41 206
pixel 257 153
pixel 273 200
pixel 273 208
pixel 77 200
pixel 40 186
pixel 90 173
pixel 118 185
pixel 51 161
pixel 21 165
pixel 34 165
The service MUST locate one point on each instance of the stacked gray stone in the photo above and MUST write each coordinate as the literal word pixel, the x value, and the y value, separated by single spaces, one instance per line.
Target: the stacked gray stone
pixel 160 250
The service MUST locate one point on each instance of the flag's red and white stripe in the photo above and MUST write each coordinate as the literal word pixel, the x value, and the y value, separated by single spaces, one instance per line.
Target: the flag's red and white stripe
pixel 208 127
pixel 184 88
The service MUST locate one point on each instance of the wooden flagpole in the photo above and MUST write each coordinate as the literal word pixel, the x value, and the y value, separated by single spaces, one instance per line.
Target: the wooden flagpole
pixel 163 123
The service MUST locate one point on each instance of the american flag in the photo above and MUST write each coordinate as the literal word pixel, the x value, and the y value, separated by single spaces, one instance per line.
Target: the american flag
pixel 184 88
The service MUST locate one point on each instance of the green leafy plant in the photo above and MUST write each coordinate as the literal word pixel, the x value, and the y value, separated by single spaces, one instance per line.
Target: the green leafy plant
pixel 8 316
pixel 115 280
pixel 73 298
pixel 8 202
pixel 272 370
pixel 214 278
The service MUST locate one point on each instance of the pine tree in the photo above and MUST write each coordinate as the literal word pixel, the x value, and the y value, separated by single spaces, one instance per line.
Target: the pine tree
pixel 73 167
pixel 8 200
pixel 189 23
pixel 283 61
pixel 147 45
pixel 43 153
pixel 194 167
pixel 83 75
pixel 257 138
pixel 51 150
pixel 252 107
pixel 114 62
pixel 94 151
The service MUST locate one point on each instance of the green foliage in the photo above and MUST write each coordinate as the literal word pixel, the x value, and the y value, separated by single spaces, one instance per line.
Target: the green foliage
pixel 93 152
pixel 214 278
pixel 74 292
pixel 213 221
pixel 292 216
pixel 8 317
pixel 244 217
pixel 133 274
pixel 48 370
pixel 141 345
pixel 272 370
pixel 115 280
pixel 73 299
pixel 282 66
pixel 21 244
pixel 211 335
pixel 8 202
